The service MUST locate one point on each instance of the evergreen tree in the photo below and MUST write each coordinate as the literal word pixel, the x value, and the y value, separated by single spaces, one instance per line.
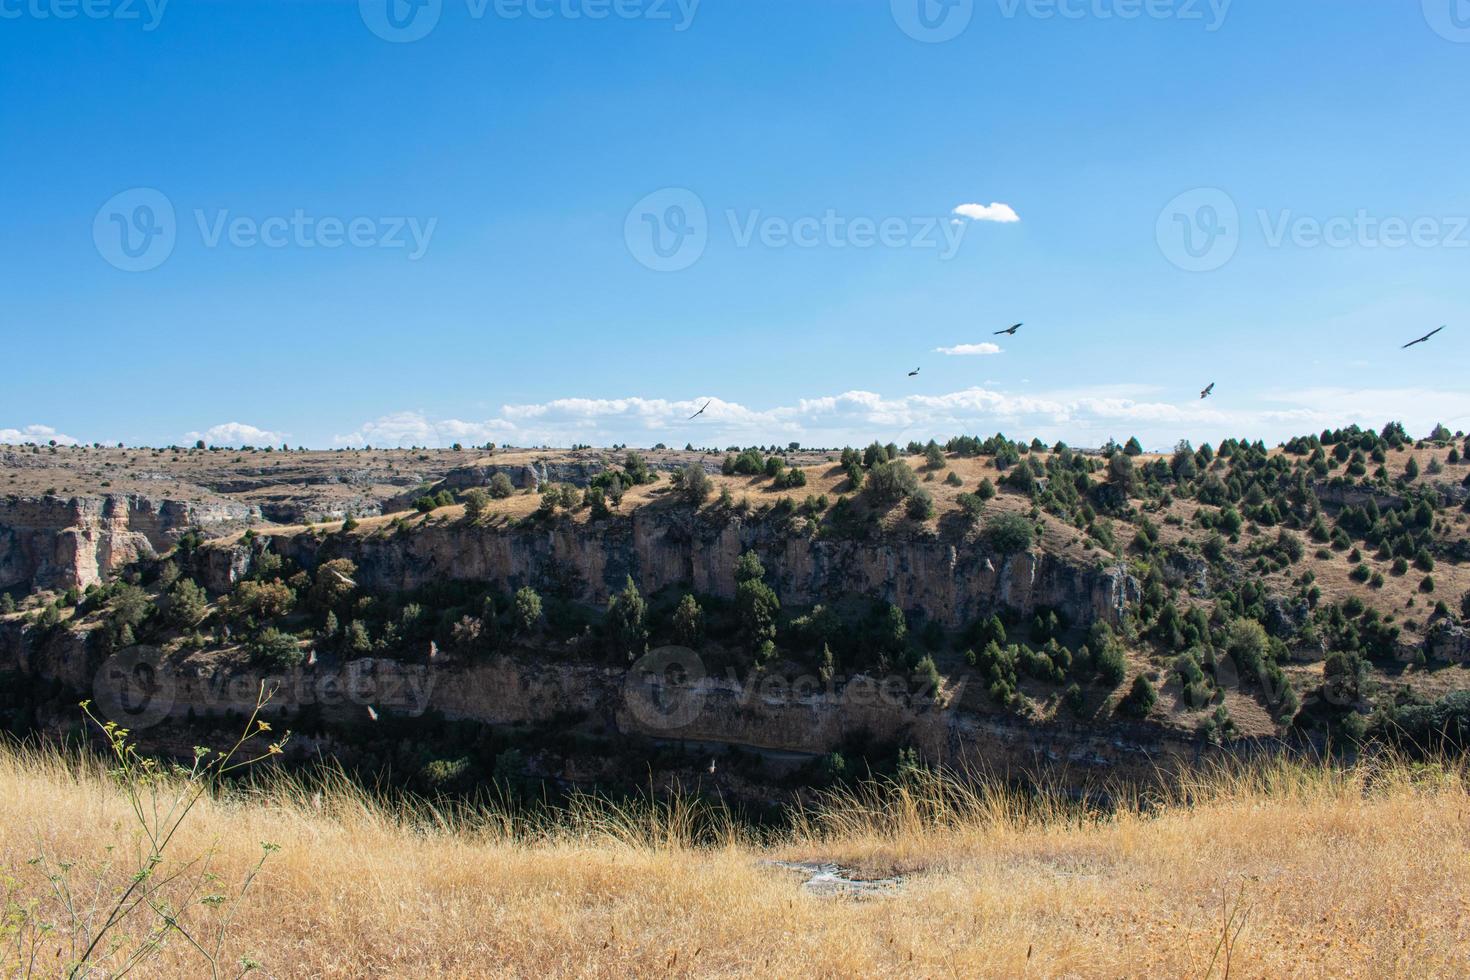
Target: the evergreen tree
pixel 627 621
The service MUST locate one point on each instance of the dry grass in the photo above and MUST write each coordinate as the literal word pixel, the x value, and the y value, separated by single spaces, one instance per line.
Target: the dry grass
pixel 1314 872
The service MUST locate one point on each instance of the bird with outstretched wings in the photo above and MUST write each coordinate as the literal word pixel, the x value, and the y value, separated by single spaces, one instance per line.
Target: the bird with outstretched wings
pixel 1010 331
pixel 914 373
pixel 701 411
pixel 1208 391
pixel 1422 340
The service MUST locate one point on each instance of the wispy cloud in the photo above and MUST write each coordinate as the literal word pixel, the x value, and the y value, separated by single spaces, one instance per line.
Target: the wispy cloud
pixel 37 434
pixel 995 211
pixel 1081 416
pixel 969 350
pixel 236 434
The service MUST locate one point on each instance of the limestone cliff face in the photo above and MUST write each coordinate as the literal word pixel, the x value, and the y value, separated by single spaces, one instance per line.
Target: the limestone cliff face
pixel 765 712
pixel 56 542
pixel 951 581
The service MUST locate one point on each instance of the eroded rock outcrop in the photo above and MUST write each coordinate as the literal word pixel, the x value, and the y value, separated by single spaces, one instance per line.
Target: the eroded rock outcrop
pixel 56 542
pixel 951 581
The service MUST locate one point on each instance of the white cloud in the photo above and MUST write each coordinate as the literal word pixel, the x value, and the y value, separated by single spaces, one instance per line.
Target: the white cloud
pixel 236 434
pixel 35 433
pixel 969 350
pixel 1086 416
pixel 403 429
pixel 995 211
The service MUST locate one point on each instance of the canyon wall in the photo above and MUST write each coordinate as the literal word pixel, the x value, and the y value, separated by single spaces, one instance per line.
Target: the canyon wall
pixel 952 581
pixel 763 712
pixel 72 542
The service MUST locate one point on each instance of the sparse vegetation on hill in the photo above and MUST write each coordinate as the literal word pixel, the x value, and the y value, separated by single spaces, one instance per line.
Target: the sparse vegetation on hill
pixel 1260 580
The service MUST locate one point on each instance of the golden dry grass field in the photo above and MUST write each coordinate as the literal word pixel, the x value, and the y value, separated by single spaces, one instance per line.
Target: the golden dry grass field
pixel 1275 870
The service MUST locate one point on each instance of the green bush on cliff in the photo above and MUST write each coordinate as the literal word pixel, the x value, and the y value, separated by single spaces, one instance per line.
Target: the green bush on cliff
pixel 756 606
pixel 889 482
pixel 627 622
pixel 526 610
pixel 688 622
pixel 693 484
pixel 921 506
pixel 1140 699
pixel 501 487
pixel 476 504
pixel 1009 534
pixel 186 603
pixel 277 648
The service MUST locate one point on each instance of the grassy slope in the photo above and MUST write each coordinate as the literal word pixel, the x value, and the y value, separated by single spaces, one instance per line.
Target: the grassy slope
pixel 1361 874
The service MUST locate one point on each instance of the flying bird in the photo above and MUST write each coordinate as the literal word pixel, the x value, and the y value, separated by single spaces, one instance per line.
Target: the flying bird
pixel 433 649
pixel 700 412
pixel 1421 340
pixel 1010 331
pixel 372 713
pixel 1208 391
pixel 311 659
pixel 914 373
pixel 711 767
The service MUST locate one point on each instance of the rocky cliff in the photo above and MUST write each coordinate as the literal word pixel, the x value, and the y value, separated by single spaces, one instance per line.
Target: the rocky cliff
pixel 952 580
pixel 770 713
pixel 56 542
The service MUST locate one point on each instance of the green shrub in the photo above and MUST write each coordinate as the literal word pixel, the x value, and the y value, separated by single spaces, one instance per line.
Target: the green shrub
pixel 501 487
pixel 1009 534
pixel 921 506
pixel 277 648
pixel 890 482
pixel 1140 699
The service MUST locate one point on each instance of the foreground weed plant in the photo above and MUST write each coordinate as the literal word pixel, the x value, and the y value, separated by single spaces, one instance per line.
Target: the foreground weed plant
pixel 108 918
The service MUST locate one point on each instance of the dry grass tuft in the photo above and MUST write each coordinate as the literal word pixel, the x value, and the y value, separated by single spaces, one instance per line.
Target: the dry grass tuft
pixel 1272 868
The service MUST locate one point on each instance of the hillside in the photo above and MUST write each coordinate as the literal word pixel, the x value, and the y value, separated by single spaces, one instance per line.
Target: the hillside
pixel 801 616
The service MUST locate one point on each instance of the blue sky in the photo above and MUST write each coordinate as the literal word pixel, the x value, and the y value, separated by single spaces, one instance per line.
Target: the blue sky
pixel 490 190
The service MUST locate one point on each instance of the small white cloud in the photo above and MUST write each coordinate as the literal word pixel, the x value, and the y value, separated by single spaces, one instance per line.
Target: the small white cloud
pixel 37 434
pixel 236 434
pixel 969 350
pixel 995 211
pixel 404 429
